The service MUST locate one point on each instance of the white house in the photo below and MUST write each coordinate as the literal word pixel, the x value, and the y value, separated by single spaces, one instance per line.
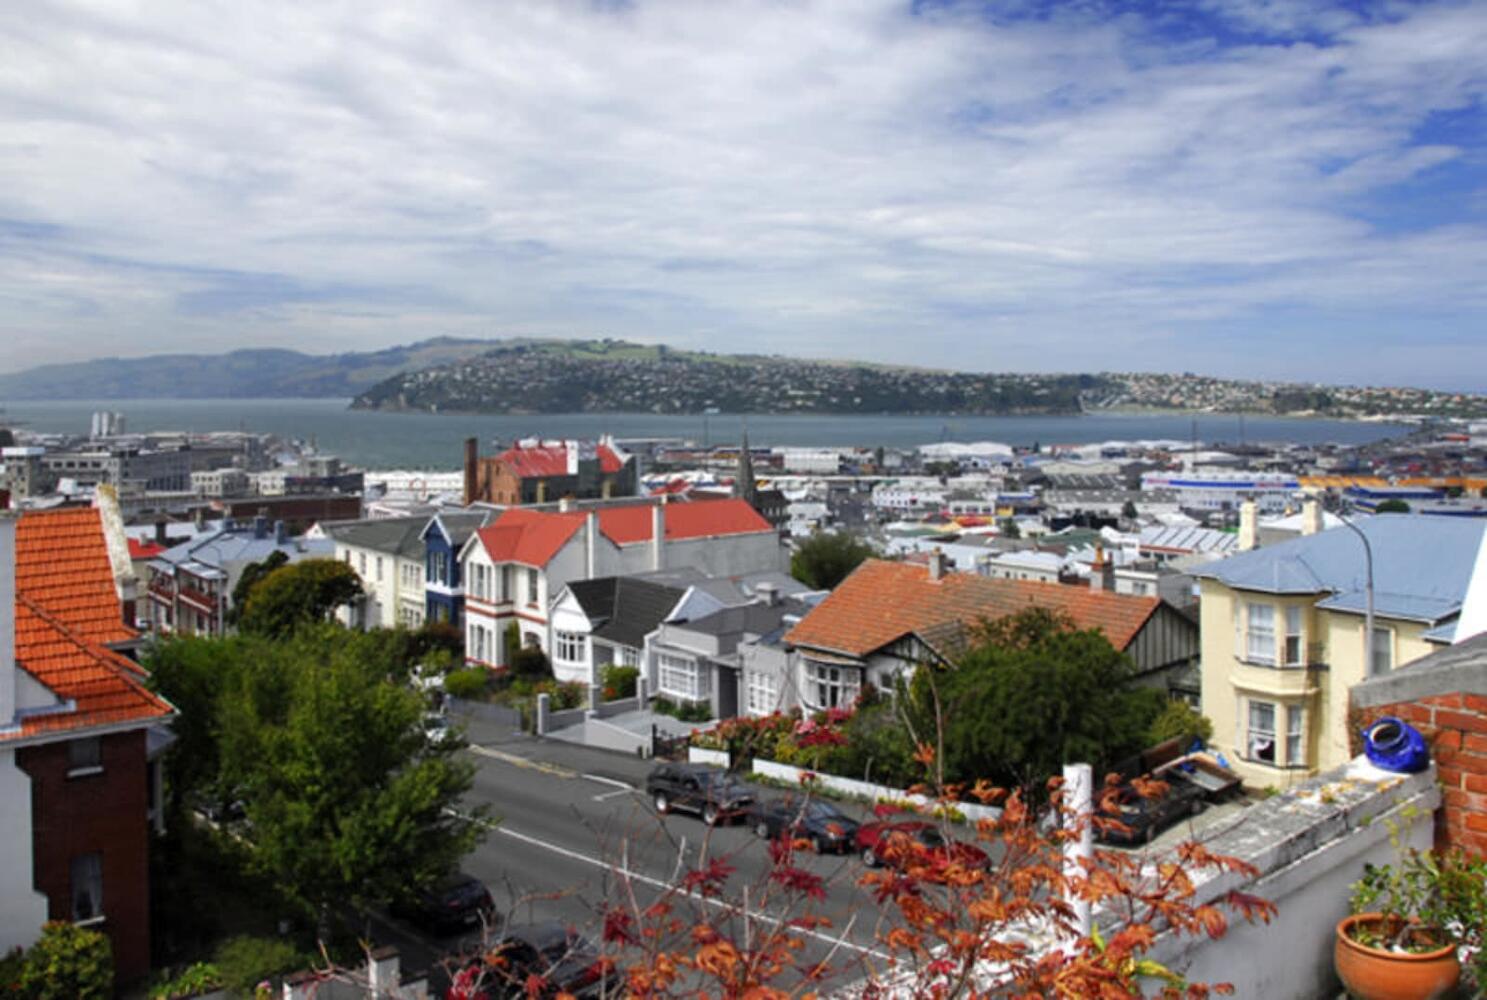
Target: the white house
pixel 516 565
pixel 388 555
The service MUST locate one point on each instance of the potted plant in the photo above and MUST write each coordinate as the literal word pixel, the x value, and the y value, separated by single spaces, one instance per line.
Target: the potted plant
pixel 1411 924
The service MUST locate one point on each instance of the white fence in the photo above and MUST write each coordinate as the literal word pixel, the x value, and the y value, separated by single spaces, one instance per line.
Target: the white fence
pixel 866 789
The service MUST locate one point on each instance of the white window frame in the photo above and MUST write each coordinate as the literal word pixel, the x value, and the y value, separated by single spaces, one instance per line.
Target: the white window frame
pixel 1383 650
pixel 626 656
pixel 85 887
pixel 1259 633
pixel 681 677
pixel 1295 735
pixel 762 693
pixel 829 686
pixel 569 647
pixel 1294 644
pixel 1252 737
pixel 532 588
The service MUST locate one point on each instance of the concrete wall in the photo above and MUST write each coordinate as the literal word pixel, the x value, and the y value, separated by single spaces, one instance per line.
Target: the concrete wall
pixel 866 789
pixel 22 909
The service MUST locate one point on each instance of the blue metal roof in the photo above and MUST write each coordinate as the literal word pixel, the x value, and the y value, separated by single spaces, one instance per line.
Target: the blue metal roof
pixel 1422 565
pixel 1407 606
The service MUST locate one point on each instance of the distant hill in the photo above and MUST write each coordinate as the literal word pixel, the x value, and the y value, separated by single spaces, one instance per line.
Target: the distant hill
pixel 240 374
pixel 578 376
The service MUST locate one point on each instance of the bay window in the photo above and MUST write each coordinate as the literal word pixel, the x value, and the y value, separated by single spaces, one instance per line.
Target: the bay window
pixel 1260 633
pixel 681 677
pixel 763 693
pixel 1259 738
pixel 568 647
pixel 829 687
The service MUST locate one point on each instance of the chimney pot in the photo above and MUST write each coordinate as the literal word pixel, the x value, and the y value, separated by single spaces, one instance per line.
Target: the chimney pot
pixel 937 565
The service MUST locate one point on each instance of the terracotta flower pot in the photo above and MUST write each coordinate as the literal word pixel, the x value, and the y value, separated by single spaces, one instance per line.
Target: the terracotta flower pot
pixel 1377 974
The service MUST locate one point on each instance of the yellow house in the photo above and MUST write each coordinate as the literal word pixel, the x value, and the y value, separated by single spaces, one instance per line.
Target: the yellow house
pixel 1283 633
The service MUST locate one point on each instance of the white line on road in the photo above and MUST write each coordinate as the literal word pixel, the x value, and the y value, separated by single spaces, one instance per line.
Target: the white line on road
pixel 661 884
pixel 620 787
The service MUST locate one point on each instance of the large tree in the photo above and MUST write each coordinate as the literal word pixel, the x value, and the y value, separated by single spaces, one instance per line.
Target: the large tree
pixel 298 594
pixel 1031 693
pixel 827 558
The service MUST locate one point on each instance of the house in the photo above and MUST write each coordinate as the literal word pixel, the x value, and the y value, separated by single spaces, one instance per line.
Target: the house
pixel 596 623
pixel 886 618
pixel 388 555
pixel 535 471
pixel 515 565
pixel 700 660
pixel 443 578
pixel 190 586
pixel 1283 632
pixel 78 787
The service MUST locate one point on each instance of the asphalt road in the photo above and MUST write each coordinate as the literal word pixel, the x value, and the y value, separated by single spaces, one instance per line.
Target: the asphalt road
pixel 573 830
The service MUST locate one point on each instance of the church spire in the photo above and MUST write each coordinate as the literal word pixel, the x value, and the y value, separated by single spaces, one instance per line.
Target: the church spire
pixel 744 486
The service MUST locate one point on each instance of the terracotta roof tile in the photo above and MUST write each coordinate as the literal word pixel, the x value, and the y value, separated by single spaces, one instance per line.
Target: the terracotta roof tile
pixel 62 565
pixel 884 601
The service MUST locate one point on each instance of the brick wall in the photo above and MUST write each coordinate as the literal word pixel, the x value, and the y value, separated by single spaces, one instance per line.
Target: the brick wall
pixel 107 813
pixel 1455 725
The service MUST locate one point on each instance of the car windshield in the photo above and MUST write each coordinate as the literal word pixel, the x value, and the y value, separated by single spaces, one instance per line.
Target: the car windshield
pixel 720 781
pixel 823 810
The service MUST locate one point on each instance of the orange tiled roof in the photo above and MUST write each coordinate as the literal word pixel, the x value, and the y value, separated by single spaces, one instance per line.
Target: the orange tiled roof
pixel 62 565
pixel 104 687
pixel 533 537
pixel 884 601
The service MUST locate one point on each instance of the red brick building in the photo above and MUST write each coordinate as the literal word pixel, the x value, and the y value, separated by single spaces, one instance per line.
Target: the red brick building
pixel 77 787
pixel 547 471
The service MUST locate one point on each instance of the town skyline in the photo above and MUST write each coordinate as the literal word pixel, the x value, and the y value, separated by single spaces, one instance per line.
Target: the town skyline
pixel 1241 190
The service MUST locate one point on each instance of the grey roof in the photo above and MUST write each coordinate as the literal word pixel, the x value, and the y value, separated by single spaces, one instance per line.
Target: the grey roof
pixel 1421 565
pixel 239 545
pixel 1189 539
pixel 738 589
pixel 396 536
pixel 754 619
pixel 624 610
pixel 461 524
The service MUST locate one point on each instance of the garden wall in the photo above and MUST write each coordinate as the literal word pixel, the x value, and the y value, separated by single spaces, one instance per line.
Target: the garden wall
pixel 866 789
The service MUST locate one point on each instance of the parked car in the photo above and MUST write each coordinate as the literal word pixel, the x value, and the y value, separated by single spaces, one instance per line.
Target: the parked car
pixel 823 824
pixel 564 960
pixel 713 794
pixel 918 837
pixel 437 730
pixel 452 903
pixel 1147 817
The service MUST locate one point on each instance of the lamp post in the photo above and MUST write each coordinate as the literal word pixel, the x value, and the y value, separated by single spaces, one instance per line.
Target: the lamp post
pixel 1368 668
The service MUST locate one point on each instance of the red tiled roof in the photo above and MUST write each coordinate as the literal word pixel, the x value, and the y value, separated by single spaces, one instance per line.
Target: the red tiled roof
pixel 884 601
pixel 141 549
pixel 62 564
pixel 104 687
pixel 534 537
pixel 552 460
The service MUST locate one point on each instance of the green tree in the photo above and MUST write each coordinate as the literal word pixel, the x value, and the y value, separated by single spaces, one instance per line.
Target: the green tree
pixel 1128 510
pixel 297 594
pixel 1031 693
pixel 1392 507
pixel 1009 528
pixel 1181 720
pixel 252 575
pixel 348 800
pixel 827 558
pixel 68 963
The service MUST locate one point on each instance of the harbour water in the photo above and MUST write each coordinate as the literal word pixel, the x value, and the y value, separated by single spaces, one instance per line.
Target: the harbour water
pixel 378 440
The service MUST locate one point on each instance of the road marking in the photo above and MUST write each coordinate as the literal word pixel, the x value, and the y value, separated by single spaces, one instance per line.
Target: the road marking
pixel 602 796
pixel 839 942
pixel 518 761
pixel 620 787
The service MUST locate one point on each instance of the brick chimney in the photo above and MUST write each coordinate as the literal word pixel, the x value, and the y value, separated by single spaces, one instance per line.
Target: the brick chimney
pixel 1102 571
pixel 937 565
pixel 472 463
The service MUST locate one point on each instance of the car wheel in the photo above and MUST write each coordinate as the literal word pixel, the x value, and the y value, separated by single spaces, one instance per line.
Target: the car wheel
pixel 662 803
pixel 710 814
pixel 869 857
pixel 762 830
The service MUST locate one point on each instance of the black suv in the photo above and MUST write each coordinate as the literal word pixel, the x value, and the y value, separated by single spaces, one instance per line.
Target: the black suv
pixel 823 824
pixel 713 794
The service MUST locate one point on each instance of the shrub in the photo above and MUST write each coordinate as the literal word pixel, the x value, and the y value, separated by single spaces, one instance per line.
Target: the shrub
pixel 245 961
pixel 68 963
pixel 529 661
pixel 197 978
pixel 469 683
pixel 685 711
pixel 1181 720
pixel 619 680
pixel 567 695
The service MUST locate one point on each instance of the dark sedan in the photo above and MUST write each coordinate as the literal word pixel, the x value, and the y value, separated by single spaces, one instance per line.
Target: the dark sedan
pixel 453 903
pixel 538 960
pixel 901 842
pixel 823 824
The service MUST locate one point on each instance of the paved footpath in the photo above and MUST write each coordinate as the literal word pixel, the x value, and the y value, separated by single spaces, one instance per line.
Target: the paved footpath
pixel 567 759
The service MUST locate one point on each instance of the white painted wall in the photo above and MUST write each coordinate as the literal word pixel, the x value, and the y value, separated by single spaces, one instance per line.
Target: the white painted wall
pixel 22 909
pixel 567 616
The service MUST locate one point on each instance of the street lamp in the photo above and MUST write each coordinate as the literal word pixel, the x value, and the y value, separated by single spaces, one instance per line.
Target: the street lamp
pixel 1368 597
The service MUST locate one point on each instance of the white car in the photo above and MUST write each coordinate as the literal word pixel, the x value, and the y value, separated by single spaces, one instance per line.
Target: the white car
pixel 438 731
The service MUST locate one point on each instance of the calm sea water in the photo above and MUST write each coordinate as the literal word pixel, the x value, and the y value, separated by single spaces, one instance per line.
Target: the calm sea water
pixel 378 440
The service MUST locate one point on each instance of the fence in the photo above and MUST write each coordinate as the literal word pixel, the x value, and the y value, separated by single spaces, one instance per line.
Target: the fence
pixel 866 789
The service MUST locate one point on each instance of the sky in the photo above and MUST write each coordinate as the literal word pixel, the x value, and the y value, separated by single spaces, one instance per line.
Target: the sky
pixel 1278 189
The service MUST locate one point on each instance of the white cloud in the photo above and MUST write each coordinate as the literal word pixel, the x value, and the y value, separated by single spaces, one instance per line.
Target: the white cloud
pixel 825 178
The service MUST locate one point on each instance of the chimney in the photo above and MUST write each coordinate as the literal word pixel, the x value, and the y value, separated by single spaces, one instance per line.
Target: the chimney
pixel 1102 571
pixel 281 533
pixel 1249 527
pixel 8 666
pixel 160 535
pixel 542 491
pixel 566 505
pixel 199 515
pixel 591 541
pixel 260 526
pixel 658 533
pixel 768 594
pixel 472 461
pixel 1311 517
pixel 937 565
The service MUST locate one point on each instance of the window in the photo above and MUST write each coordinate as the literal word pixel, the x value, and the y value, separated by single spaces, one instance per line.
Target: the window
pixel 763 694
pixel 1295 637
pixel 84 756
pixel 1260 638
pixel 508 587
pixel 1383 651
pixel 681 677
pixel 379 569
pixel 87 887
pixel 1259 743
pixel 1295 723
pixel 569 646
pixel 532 587
pixel 477 643
pixel 830 687
pixel 627 656
pixel 361 563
